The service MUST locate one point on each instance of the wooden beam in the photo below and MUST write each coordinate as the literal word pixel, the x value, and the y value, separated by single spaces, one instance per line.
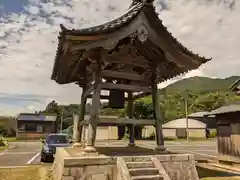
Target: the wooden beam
pixel 116 121
pixel 139 62
pixel 88 84
pixel 139 83
pixel 122 75
pixel 141 95
pixel 88 91
pixel 102 97
pixel 74 71
pixel 134 88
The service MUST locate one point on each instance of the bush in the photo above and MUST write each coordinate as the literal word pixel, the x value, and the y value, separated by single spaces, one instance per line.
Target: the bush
pixel 2 142
pixel 3 131
pixel 213 133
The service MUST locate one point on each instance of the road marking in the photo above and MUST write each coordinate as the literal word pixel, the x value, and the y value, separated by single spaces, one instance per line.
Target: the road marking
pixel 197 153
pixel 33 158
pixel 189 145
pixel 8 167
pixel 18 153
pixel 3 152
pixel 179 145
pixel 207 150
pixel 192 150
pixel 203 154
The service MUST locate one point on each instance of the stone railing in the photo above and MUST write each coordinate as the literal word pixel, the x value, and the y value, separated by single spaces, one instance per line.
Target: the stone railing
pixel 160 168
pixel 122 170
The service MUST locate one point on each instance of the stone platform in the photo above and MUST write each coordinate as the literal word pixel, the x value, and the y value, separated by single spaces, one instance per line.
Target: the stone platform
pixel 122 163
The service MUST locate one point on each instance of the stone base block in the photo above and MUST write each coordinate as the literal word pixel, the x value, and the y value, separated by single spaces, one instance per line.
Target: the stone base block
pixel 77 145
pixel 75 164
pixel 131 144
pixel 160 148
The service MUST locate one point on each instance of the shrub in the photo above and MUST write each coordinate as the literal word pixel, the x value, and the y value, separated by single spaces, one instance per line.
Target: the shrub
pixel 213 133
pixel 2 142
pixel 3 131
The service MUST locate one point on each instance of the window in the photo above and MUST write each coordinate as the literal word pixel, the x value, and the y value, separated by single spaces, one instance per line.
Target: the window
pixel 31 127
pixel 39 128
pixel 22 127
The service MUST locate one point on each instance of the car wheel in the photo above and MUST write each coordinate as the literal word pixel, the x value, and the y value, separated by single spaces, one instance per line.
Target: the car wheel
pixel 43 159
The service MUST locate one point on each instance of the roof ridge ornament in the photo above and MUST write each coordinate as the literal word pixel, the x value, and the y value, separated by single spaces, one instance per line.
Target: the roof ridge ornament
pixel 142 34
pixel 145 2
pixel 148 2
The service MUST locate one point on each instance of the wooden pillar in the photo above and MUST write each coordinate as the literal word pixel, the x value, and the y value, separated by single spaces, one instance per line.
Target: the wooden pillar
pixel 75 130
pixel 158 118
pixel 81 117
pixel 78 134
pixel 130 115
pixel 92 127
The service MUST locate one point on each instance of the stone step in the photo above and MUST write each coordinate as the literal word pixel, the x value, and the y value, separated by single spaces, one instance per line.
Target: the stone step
pixel 143 171
pixel 137 159
pixel 134 165
pixel 147 177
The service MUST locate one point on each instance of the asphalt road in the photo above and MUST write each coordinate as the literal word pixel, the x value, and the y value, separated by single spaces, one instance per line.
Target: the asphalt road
pixel 26 153
pixel 22 154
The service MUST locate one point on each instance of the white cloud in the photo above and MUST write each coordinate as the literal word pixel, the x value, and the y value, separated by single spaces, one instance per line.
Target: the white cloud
pixel 28 42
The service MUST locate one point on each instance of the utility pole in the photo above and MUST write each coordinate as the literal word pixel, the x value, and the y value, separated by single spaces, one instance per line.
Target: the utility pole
pixel 61 121
pixel 186 114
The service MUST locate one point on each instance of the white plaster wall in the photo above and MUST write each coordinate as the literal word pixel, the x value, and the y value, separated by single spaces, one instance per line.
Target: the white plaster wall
pixel 104 133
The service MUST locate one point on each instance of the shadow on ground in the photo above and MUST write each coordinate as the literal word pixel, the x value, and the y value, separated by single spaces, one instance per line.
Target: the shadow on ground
pixel 121 151
pixel 207 172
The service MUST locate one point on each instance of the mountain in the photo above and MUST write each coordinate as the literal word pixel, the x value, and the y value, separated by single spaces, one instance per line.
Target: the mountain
pixel 202 84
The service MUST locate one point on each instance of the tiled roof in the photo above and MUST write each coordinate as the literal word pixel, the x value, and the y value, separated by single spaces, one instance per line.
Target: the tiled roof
pixel 36 117
pixel 106 27
pixel 182 123
pixel 235 107
pixel 68 58
pixel 198 114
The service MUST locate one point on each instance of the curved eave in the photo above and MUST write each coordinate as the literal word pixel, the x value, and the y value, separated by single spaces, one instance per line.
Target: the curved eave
pixel 108 27
pixel 88 35
pixel 154 21
pixel 57 57
pixel 94 33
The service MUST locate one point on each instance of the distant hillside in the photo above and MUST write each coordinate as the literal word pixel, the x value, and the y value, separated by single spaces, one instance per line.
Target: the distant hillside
pixel 202 84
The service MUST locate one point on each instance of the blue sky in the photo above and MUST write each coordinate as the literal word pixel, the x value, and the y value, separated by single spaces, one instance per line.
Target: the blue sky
pixel 12 5
pixel 8 7
pixel 28 42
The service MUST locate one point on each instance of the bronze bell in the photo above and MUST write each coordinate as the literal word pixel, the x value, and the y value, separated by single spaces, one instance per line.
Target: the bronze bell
pixel 116 99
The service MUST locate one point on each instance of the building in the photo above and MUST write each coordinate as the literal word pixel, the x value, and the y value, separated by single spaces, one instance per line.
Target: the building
pixel 208 120
pixel 34 126
pixel 235 87
pixel 228 132
pixel 178 128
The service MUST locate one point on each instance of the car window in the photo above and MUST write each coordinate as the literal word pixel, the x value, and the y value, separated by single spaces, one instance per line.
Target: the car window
pixel 57 139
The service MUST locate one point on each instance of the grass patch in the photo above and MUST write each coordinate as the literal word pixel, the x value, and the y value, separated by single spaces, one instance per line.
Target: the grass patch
pixel 221 178
pixel 10 139
pixel 3 148
pixel 189 139
pixel 25 173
